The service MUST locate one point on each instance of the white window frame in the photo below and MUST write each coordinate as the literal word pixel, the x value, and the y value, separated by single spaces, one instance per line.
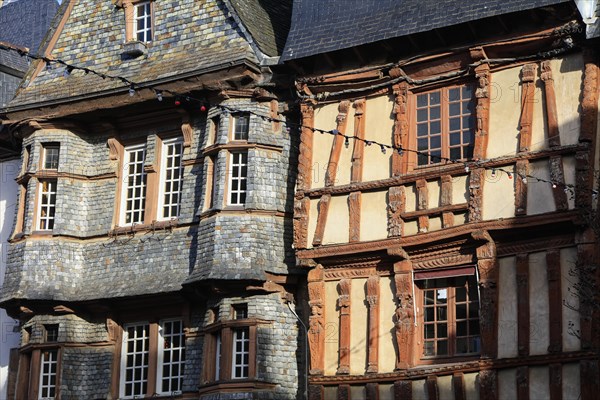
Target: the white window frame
pixel 244 133
pixel 164 170
pixel 146 32
pixel 239 178
pixel 46 389
pixel 124 353
pixel 125 186
pixel 240 335
pixel 218 356
pixel 45 148
pixel 161 361
pixel 41 206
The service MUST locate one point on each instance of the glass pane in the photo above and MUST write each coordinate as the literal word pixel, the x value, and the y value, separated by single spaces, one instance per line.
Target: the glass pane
pixel 429 314
pixel 442 347
pixel 453 94
pixel 434 98
pixel 442 314
pixel 422 115
pixel 429 296
pixel 474 327
pixel 422 144
pixel 434 112
pixel 454 124
pixel 467 92
pixel 422 130
pixel 455 153
pixel 436 142
pixel 429 331
pixel 435 127
pixel 421 100
pixel 454 109
pixel 461 311
pixel 462 345
pixel 454 139
pixel 461 328
pixel 428 349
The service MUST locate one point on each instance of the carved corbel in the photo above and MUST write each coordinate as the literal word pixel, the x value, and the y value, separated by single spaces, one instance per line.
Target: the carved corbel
pixel 399 163
pixel 395 209
pixel 404 318
pixel 301 212
pixel 303 181
pixel 344 343
pixel 316 331
pixel 186 128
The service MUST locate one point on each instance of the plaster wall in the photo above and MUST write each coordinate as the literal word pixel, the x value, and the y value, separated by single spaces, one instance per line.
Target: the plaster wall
pixel 539 312
pixel 387 329
pixel 507 384
pixel 498 195
pixel 337 225
pixel 359 319
pixel 571 383
pixel 504 113
pixel 507 310
pixel 539 383
pixel 540 197
pixel 324 119
pixel 419 390
pixel 471 382
pixel 373 221
pixel 379 127
pixel 568 74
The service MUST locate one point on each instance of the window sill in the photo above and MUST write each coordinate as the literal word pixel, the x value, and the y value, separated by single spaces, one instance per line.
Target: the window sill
pixel 134 49
pixel 167 224
pixel 236 385
pixel 431 361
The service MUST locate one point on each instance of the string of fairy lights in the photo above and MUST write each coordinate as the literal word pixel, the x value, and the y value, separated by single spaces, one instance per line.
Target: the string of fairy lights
pixel 203 107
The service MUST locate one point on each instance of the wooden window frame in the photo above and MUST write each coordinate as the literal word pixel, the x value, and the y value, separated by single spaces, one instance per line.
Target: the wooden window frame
pixel 234 127
pixel 163 179
pixel 30 374
pixel 240 178
pixel 123 198
pixel 45 150
pixel 42 374
pixel 160 357
pixel 130 19
pixel 451 355
pixel 444 122
pixel 40 205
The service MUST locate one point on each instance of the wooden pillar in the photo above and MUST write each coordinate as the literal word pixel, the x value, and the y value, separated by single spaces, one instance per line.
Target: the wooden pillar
pixel 316 392
pixel 301 213
pixel 523 383
pixel 354 206
pixel 396 206
pixel 554 300
pixel 432 388
pixel 521 187
pixel 303 181
pixel 587 269
pixel 338 143
pixel 458 383
pixel 528 75
pixel 344 301
pixel 487 267
pixel 403 390
pixel 373 302
pixel 476 180
pixel 323 208
pixel 482 94
pixel 488 385
pixel 316 332
pixel 399 162
pixel 405 329
pixel 555 381
pixel 551 110
pixel 372 391
pixel 557 175
pixel 344 392
pixel 422 204
pixel 446 200
pixel 589 102
pixel 359 145
pixel 589 383
pixel 523 304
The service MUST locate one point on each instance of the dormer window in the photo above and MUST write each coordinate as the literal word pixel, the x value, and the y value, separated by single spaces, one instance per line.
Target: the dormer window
pixel 142 21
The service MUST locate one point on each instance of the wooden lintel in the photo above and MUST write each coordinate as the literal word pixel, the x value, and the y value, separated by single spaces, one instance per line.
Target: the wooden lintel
pixel 528 75
pixel 523 304
pixel 321 219
pixel 451 209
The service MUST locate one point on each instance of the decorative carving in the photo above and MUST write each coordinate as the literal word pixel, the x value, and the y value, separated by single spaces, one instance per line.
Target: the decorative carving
pixel 344 307
pixel 372 301
pixel 488 387
pixel 354 203
pixel 557 175
pixel 301 213
pixel 422 204
pixel 432 388
pixel 583 180
pixel 395 208
pixel 446 200
pixel 323 208
pixel 403 390
pixel 589 102
pixel 359 145
pixel 551 112
pixel 476 179
pixel 303 181
pixel 487 267
pixel 316 332
pixel 523 304
pixel 482 109
pixel 404 319
pixel 523 383
pixel 338 142
pixel 528 74
pixel 113 148
pixel 399 165
pixel 521 188
pixel 188 133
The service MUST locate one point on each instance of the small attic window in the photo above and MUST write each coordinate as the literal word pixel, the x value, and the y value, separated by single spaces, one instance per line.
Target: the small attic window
pixel 142 21
pixel 139 26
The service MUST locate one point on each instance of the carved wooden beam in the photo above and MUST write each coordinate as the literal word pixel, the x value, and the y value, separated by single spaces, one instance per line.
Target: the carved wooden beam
pixel 338 143
pixel 373 302
pixel 476 181
pixel 404 320
pixel 359 145
pixel 551 111
pixel 399 162
pixel 528 74
pixel 303 181
pixel 523 304
pixel 344 302
pixel 446 200
pixel 482 73
pixel 422 204
pixel 523 383
pixel 321 219
pixel 522 169
pixel 395 209
pixel 354 208
pixel 316 332
pixel 588 271
pixel 301 213
pixel 557 175
pixel 554 300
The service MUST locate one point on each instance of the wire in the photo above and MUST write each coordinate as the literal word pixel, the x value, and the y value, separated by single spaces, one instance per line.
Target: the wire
pixel 468 164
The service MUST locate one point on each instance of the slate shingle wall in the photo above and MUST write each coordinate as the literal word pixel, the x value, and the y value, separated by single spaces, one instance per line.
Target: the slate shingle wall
pixel 86 373
pixel 8 87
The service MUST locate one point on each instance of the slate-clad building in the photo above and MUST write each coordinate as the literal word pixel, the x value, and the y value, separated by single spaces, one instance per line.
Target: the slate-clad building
pixel 151 250
pixel 448 165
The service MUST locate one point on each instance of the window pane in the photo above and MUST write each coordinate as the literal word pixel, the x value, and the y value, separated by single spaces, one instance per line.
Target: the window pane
pixel 442 348
pixel 434 113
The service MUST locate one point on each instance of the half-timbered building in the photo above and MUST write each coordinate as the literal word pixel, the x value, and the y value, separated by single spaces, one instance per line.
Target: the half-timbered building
pixel 445 196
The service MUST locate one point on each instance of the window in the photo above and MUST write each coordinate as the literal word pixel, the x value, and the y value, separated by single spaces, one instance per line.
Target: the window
pixel 48 371
pixel 238 178
pixel 445 124
pixel 50 156
pixel 230 349
pixel 241 125
pixel 136 354
pixel 171 179
pixel 46 204
pixel 133 196
pixel 51 333
pixel 450 312
pixel 142 20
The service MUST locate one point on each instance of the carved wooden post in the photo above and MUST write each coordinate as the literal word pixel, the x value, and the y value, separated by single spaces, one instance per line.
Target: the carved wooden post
pixel 316 332
pixel 488 384
pixel 399 164
pixel 395 208
pixel 523 383
pixel 446 200
pixel 551 112
pixel 301 212
pixel 488 279
pixel 523 318
pixel 359 145
pixel 476 180
pixel 354 204
pixel 405 328
pixel 554 301
pixel 482 93
pixel 521 187
pixel 528 74
pixel 589 102
pixel 373 302
pixel 344 307
pixel 323 208
pixel 422 204
pixel 338 142
pixel 303 181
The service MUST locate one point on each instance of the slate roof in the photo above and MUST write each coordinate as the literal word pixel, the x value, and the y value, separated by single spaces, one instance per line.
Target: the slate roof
pixel 322 26
pixel 24 23
pixel 190 36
